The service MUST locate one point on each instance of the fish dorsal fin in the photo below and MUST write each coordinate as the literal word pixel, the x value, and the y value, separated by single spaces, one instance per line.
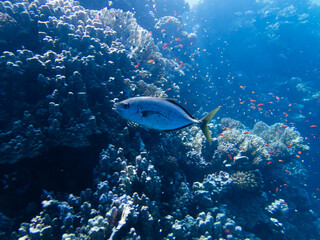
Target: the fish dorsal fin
pixel 174 101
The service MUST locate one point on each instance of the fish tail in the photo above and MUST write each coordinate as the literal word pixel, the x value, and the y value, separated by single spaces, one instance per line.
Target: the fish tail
pixel 204 123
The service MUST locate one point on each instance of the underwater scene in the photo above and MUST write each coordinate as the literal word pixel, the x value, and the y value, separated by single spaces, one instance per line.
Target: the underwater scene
pixel 160 119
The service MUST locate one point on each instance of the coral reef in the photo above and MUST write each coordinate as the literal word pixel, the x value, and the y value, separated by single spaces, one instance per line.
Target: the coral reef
pixel 66 83
pixel 59 81
pixel 115 210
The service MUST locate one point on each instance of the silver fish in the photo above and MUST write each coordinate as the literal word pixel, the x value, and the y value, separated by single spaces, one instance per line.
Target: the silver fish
pixel 161 114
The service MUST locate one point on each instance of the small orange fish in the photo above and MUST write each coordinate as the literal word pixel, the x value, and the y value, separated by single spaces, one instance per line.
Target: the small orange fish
pixel 180 65
pixel 151 61
pixel 280 160
pixel 180 45
pixel 289 146
pixel 253 107
pixel 286 114
pixel 297 156
pixel 253 100
pixel 165 45
pixel 243 87
pixel 221 134
pixel 278 151
pixel 168 89
pixel 277 189
pixel 136 66
pixel 269 162
pixel 260 104
pixel 177 39
pixel 246 132
pixel 290 105
pixel 266 144
pixel 243 149
pixel 284 126
pixel 277 98
pixel 169 19
pixel 313 126
pixel 299 152
pixel 287 171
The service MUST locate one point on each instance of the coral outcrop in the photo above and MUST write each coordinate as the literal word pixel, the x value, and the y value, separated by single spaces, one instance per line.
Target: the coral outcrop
pixel 66 82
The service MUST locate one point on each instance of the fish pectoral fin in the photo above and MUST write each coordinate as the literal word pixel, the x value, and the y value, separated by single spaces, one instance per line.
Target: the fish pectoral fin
pixel 147 113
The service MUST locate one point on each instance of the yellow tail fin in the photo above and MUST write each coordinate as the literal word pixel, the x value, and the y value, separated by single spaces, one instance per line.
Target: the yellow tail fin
pixel 204 123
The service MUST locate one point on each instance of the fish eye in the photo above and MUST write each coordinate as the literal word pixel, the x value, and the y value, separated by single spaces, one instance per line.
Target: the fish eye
pixel 125 105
